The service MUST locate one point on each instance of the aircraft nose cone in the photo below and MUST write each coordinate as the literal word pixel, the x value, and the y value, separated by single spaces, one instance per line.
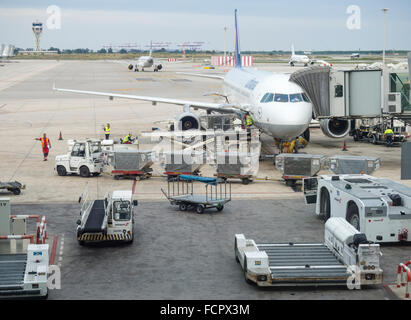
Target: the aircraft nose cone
pixel 288 120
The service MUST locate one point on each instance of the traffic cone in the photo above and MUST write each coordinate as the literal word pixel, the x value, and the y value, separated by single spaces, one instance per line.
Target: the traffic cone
pixel 60 136
pixel 345 146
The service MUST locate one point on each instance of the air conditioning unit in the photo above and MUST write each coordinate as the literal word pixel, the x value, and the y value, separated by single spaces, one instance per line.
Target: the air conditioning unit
pixel 394 102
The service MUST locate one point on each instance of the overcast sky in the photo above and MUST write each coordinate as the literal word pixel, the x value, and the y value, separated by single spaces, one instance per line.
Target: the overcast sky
pixel 264 25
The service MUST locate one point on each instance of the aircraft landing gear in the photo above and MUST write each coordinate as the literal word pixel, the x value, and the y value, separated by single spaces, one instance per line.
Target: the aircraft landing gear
pixel 136 69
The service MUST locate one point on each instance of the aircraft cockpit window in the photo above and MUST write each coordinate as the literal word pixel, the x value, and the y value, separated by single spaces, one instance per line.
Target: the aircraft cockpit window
pixel 279 97
pixel 305 98
pixel 296 97
pixel 263 98
pixel 268 97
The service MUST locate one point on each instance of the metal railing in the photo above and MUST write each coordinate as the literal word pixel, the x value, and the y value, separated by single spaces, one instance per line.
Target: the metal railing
pixel 404 277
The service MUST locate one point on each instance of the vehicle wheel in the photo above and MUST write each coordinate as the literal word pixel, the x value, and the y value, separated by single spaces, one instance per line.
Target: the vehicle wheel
pixel 325 204
pixel 84 172
pixel 81 243
pixel 61 171
pixel 200 209
pixel 116 177
pixel 183 207
pixel 245 181
pixel 16 191
pixel 220 207
pixel 355 136
pixel 353 216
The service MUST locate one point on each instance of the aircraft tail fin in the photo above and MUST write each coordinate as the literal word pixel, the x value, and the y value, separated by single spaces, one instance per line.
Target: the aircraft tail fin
pixel 151 48
pixel 237 42
pixel 292 50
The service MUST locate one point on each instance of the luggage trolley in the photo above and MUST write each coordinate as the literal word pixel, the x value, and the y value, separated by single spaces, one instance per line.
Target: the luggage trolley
pixel 12 186
pixel 181 193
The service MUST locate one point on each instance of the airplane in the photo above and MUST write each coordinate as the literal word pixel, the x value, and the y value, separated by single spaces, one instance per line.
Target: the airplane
pixel 298 58
pixel 146 62
pixel 279 107
pixel 355 55
pixel 6 51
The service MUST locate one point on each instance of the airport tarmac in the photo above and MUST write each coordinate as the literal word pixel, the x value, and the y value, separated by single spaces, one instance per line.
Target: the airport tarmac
pixel 175 255
pixel 29 107
pixel 183 255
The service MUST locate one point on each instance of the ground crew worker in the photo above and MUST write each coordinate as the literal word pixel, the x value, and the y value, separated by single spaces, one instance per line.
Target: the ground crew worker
pixel 248 120
pixel 107 131
pixel 389 134
pixel 127 139
pixel 46 146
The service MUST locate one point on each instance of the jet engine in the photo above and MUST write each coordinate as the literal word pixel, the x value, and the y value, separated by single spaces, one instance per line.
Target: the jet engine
pixel 335 128
pixel 187 121
pixel 158 67
pixel 130 67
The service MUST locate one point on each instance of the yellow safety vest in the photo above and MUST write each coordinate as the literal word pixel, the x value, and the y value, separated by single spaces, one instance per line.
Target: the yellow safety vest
pixel 107 130
pixel 249 121
pixel 389 131
pixel 126 138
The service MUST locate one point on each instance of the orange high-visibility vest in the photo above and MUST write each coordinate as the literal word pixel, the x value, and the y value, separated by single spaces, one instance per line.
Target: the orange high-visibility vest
pixel 44 142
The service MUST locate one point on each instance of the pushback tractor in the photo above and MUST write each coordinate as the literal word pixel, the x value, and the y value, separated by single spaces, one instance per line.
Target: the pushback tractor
pixel 379 208
pixel 84 158
pixel 108 219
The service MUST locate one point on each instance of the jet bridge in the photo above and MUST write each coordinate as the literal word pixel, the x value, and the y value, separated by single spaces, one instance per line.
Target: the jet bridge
pixel 341 93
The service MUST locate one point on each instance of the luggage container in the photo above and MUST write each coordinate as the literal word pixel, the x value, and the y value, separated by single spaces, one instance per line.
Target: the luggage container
pixel 296 167
pixel 131 163
pixel 218 121
pixel 236 165
pixel 180 162
pixel 340 164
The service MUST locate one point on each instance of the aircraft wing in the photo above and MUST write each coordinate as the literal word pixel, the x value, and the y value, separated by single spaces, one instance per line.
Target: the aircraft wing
pixel 211 76
pixel 217 107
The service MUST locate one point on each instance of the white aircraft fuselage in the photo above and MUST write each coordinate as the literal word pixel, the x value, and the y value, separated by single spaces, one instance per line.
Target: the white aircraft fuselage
pixel 145 62
pixel 285 113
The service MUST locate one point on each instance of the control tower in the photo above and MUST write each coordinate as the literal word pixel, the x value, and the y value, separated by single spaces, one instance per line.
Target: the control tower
pixel 37 31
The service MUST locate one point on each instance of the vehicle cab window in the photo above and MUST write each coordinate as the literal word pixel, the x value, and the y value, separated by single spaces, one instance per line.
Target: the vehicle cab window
pixel 279 97
pixel 121 210
pixel 95 147
pixel 79 150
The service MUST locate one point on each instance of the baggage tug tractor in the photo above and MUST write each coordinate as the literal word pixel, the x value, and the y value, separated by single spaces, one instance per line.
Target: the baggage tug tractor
pixel 344 258
pixel 379 208
pixel 85 158
pixel 108 219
